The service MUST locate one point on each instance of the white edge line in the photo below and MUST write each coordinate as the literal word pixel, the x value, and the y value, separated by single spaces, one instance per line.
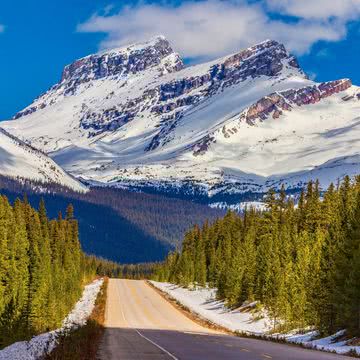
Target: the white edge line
pixel 157 345
pixel 143 336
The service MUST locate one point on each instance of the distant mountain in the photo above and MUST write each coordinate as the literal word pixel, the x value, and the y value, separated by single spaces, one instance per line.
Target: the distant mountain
pixel 21 161
pixel 137 117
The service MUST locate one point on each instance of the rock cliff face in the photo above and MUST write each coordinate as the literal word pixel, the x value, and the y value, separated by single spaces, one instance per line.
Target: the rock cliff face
pixel 265 59
pixel 235 124
pixel 276 103
pixel 120 63
pixel 115 64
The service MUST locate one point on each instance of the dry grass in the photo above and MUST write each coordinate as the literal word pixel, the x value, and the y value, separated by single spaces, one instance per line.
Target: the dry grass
pixel 82 343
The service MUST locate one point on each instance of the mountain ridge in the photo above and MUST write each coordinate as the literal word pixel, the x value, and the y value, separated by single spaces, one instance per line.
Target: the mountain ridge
pixel 136 117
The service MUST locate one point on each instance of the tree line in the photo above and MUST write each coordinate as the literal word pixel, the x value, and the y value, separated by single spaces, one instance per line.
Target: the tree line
pixel 42 269
pixel 301 261
pixel 103 267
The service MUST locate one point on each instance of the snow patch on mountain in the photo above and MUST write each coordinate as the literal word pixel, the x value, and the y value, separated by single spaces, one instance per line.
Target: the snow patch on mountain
pixel 240 207
pixel 19 160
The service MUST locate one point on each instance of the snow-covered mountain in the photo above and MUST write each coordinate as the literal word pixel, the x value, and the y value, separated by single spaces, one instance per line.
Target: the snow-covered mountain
pixel 20 161
pixel 137 116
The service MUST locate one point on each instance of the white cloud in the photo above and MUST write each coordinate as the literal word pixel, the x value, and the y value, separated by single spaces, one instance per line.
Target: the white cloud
pixel 318 9
pixel 2 28
pixel 212 28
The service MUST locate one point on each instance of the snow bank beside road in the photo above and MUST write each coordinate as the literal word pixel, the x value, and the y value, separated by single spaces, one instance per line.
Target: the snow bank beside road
pixel 327 344
pixel 202 301
pixel 45 343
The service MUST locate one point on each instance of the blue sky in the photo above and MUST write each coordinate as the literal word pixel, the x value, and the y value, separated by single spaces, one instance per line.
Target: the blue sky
pixel 37 38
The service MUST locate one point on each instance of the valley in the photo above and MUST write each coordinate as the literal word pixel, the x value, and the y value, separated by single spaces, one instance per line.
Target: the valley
pixel 158 207
pixel 117 224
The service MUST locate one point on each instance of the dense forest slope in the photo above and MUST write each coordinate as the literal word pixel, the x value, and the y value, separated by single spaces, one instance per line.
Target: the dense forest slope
pixel 42 269
pixel 117 224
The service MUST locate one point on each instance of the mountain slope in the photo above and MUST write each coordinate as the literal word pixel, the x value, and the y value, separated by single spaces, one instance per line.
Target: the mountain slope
pixel 117 224
pixel 136 116
pixel 18 160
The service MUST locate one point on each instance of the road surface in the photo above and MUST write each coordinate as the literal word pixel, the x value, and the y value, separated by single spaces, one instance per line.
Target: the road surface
pixel 141 324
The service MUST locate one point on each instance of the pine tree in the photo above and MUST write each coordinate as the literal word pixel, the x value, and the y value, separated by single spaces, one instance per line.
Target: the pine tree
pixel 350 309
pixel 348 263
pixel 249 257
pixel 42 269
pixel 18 279
pixel 70 212
pixel 298 291
pixel 301 263
pixel 4 254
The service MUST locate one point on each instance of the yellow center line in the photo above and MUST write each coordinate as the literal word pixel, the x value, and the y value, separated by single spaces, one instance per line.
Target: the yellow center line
pixel 143 306
pixel 143 336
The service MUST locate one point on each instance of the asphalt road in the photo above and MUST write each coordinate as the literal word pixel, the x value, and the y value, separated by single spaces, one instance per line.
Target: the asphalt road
pixel 141 324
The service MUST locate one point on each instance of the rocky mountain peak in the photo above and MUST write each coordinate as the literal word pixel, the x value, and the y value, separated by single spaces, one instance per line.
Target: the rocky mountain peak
pixel 114 63
pixel 130 59
pixel 136 115
pixel 266 57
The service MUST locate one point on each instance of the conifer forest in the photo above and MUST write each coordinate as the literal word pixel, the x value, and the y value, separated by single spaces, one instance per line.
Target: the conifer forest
pixel 301 262
pixel 42 269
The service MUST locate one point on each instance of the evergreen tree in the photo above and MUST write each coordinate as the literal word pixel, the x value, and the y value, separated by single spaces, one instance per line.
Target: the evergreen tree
pixel 301 263
pixel 42 269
